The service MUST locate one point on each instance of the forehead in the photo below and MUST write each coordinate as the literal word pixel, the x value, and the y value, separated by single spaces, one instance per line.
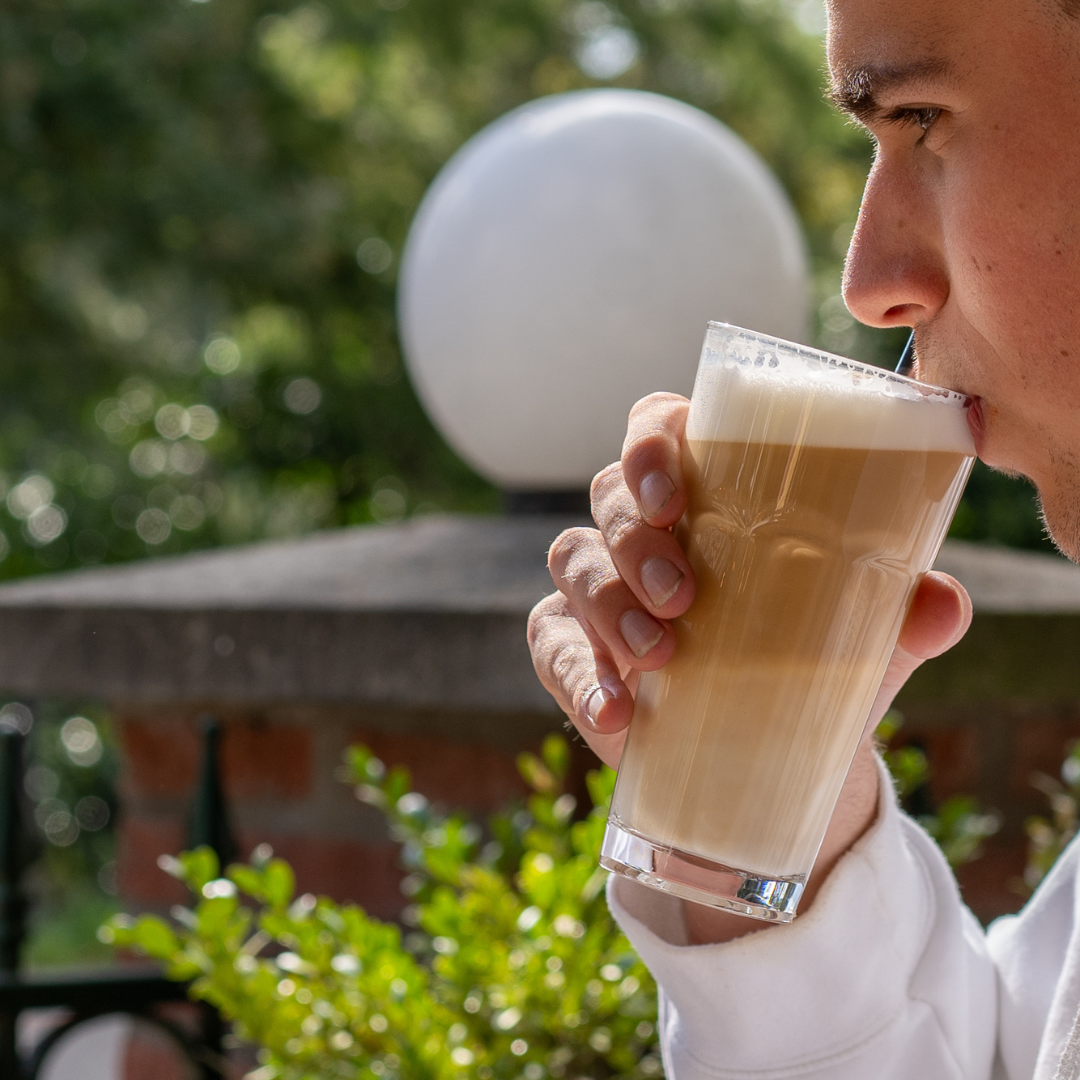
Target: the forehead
pixel 966 41
pixel 896 32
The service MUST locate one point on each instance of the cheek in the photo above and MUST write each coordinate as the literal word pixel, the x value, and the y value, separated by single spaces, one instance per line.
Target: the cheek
pixel 1012 246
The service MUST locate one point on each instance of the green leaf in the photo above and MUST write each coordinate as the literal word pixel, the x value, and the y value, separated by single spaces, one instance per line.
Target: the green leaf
pixel 601 785
pixel 890 724
pixel 909 768
pixel 364 766
pixel 200 867
pixel 154 937
pixel 556 755
pixel 249 880
pixel 397 783
pixel 278 883
pixel 536 774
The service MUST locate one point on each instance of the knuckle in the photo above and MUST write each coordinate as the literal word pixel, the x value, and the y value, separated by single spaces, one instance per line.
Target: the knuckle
pixel 654 433
pixel 621 533
pixel 616 506
pixel 643 452
pixel 651 402
pixel 588 574
pixel 550 607
pixel 572 666
pixel 566 546
pixel 558 650
pixel 605 481
pixel 605 591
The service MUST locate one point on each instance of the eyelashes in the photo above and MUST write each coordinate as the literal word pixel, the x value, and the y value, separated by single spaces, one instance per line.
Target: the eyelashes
pixel 922 116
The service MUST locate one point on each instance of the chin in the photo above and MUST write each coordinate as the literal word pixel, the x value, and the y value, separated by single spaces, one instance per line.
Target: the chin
pixel 1061 519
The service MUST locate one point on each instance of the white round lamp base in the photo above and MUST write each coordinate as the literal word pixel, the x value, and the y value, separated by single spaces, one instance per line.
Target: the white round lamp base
pixel 565 263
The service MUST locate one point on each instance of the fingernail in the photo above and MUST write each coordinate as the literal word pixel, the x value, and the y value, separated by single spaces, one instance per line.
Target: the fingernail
pixel 639 631
pixel 597 700
pixel 660 578
pixel 655 492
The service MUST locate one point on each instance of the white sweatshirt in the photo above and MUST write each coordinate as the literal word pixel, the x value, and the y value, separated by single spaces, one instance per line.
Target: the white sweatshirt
pixel 886 977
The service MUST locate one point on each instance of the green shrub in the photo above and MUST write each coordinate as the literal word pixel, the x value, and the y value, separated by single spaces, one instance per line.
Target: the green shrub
pixel 1049 835
pixel 958 824
pixel 513 966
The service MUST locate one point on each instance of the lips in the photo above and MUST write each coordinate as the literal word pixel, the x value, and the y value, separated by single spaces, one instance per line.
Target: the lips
pixel 976 422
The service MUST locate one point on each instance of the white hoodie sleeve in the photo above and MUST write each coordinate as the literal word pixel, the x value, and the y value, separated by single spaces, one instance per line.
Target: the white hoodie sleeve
pixel 886 977
pixel 1037 956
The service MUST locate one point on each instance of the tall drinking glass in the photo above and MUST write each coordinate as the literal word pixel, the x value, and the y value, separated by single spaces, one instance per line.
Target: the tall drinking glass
pixel 819 492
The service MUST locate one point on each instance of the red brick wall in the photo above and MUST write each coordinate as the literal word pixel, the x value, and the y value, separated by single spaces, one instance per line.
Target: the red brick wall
pixel 991 752
pixel 280 770
pixel 280 764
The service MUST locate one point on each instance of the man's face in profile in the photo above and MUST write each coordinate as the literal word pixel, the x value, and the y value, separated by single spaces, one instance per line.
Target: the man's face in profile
pixel 970 224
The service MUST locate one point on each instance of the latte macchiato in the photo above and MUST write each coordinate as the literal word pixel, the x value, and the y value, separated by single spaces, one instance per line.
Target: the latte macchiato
pixel 819 492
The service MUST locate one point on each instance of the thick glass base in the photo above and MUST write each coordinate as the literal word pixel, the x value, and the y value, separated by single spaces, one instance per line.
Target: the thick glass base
pixel 693 878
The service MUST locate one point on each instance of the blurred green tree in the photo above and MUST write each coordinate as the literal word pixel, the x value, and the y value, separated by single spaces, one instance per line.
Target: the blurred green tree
pixel 201 209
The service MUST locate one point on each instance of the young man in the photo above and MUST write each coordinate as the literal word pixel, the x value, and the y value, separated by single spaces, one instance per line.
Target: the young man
pixel 969 232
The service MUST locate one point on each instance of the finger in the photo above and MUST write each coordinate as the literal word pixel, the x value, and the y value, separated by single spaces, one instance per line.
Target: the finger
pixel 652 458
pixel 939 616
pixel 576 669
pixel 649 560
pixel 582 570
pixel 581 676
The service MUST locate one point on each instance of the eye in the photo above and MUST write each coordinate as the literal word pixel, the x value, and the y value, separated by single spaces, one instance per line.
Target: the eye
pixel 921 116
pixel 925 118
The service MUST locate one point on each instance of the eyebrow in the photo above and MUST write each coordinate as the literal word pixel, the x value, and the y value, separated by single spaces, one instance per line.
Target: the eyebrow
pixel 857 91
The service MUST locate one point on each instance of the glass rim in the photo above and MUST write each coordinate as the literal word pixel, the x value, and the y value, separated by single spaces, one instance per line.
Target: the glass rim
pixel 941 394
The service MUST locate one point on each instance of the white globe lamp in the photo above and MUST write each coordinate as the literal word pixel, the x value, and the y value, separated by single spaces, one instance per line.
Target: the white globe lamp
pixel 564 264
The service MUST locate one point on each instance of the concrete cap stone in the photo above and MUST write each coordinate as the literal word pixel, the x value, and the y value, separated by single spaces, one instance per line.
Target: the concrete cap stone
pixel 429 613
pixel 435 563
pixel 1008 582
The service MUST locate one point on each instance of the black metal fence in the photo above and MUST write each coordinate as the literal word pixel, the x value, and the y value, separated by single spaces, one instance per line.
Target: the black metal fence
pixel 138 992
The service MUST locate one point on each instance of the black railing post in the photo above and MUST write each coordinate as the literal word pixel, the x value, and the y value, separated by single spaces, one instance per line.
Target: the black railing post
pixel 210 827
pixel 209 824
pixel 89 996
pixel 12 898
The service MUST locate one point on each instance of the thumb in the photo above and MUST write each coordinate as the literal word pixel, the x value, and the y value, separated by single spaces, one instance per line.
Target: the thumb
pixel 939 617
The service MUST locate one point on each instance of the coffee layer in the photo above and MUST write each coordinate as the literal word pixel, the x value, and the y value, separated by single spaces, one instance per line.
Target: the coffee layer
pixel 806 559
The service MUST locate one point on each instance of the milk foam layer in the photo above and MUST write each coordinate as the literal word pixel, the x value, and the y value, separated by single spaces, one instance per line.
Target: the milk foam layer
pixel 752 388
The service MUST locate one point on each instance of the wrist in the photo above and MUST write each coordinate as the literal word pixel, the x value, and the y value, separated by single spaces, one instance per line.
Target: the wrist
pixel 855 812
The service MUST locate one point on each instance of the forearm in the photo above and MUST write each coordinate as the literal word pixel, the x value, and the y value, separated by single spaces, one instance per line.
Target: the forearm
pixel 887 977
pixel 854 814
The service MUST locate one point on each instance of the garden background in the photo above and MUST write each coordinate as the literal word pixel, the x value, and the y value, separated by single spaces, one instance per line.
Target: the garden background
pixel 202 204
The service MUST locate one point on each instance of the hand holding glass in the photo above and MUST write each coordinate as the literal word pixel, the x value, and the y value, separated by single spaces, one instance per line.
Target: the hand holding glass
pixel 819 492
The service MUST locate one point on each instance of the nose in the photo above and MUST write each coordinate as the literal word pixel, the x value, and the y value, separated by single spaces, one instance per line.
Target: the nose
pixel 894 274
